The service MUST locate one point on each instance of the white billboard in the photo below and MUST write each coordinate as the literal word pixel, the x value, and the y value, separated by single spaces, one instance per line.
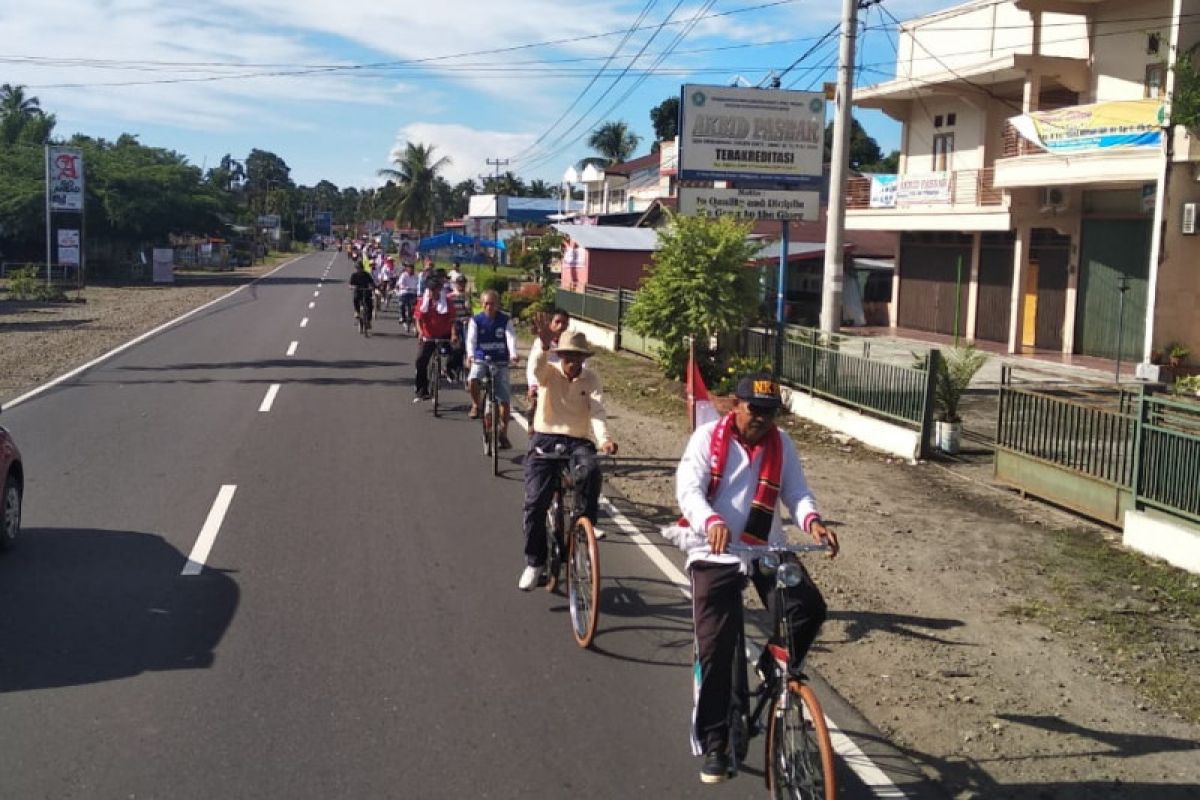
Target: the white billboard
pixel 64 172
pixel 751 204
pixel 68 246
pixel 731 133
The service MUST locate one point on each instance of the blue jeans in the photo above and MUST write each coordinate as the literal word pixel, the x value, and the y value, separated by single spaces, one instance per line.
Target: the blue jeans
pixel 541 479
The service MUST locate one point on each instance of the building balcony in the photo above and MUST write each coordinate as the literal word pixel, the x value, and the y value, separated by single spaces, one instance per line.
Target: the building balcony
pixel 965 199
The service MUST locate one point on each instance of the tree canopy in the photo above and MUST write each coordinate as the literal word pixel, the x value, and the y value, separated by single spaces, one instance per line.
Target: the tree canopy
pixel 665 119
pixel 614 141
pixel 415 175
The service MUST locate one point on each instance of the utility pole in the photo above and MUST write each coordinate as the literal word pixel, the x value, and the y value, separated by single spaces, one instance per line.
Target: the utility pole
pixel 497 163
pixel 835 231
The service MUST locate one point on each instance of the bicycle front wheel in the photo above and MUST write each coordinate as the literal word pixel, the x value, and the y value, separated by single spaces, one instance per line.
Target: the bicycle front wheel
pixel 583 581
pixel 435 379
pixel 799 754
pixel 494 433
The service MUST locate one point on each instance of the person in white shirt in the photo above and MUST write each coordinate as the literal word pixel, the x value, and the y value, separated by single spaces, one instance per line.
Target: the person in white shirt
pixel 729 484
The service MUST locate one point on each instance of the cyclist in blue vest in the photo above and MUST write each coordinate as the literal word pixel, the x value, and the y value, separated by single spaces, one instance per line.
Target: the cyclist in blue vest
pixel 490 336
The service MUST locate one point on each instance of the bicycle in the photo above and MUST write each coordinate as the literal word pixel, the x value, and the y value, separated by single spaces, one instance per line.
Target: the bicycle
pixel 491 415
pixel 434 371
pixel 578 547
pixel 407 301
pixel 363 313
pixel 798 753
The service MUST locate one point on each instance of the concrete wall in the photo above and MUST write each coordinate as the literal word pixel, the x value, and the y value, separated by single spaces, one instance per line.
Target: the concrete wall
pixel 968 130
pixel 1177 310
pixel 1119 69
pixel 1168 538
pixel 618 268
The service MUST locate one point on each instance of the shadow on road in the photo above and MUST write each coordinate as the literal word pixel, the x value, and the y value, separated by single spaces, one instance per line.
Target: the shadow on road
pixel 647 608
pixel 83 606
pixel 860 624
pixel 38 325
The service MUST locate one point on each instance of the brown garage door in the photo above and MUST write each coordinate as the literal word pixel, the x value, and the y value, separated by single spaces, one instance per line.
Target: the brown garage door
pixel 1051 251
pixel 928 268
pixel 995 287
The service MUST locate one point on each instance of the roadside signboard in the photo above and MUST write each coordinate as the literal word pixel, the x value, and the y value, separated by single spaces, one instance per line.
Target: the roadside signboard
pixel 64 170
pixel 164 265
pixel 751 204
pixel 731 134
pixel 268 221
pixel 324 223
pixel 68 246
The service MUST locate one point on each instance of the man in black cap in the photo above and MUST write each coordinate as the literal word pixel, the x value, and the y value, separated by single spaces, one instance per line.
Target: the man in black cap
pixel 729 484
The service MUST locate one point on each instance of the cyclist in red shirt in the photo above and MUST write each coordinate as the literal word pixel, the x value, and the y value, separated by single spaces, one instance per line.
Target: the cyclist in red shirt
pixel 435 317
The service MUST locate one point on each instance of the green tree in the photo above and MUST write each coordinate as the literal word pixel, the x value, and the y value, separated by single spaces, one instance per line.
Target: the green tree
pixel 415 174
pixel 506 184
pixel 864 150
pixel 700 287
pixel 665 119
pixel 539 188
pixel 21 117
pixel 614 141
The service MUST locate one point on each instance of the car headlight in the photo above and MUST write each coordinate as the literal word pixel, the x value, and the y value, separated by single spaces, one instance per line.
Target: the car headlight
pixel 769 562
pixel 791 575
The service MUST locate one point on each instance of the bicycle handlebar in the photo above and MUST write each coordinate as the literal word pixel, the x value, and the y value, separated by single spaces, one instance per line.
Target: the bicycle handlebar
pixel 735 548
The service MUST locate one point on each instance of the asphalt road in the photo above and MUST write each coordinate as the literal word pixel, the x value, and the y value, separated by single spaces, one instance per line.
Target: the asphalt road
pixel 355 630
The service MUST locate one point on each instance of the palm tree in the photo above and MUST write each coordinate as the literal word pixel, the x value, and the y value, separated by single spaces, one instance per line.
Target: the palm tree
pixel 415 173
pixel 539 188
pixel 20 114
pixel 614 141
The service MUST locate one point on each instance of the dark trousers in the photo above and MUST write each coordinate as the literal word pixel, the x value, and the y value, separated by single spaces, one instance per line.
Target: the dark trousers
pixel 541 479
pixel 717 617
pixel 425 350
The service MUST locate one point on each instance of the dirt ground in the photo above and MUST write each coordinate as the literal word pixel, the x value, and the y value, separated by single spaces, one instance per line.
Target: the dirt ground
pixel 1011 649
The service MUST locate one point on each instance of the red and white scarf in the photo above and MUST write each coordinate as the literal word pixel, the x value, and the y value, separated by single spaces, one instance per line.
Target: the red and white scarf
pixel 766 494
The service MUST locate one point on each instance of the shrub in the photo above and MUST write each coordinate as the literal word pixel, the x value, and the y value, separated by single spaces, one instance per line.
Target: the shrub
pixel 736 368
pixel 24 283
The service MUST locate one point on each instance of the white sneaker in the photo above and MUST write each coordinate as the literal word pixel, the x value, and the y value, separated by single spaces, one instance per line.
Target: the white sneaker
pixel 600 534
pixel 529 578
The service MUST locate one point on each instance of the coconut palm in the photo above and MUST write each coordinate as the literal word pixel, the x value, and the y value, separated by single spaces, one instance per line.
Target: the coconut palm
pixel 415 174
pixel 614 141
pixel 21 117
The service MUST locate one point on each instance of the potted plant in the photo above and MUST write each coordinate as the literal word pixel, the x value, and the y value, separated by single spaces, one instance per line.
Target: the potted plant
pixel 1177 353
pixel 956 369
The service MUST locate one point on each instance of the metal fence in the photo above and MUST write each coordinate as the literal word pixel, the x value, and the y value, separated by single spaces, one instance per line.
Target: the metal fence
pixel 821 364
pixel 1094 437
pixel 594 304
pixel 1167 477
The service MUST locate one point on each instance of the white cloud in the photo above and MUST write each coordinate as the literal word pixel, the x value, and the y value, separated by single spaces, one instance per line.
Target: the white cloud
pixel 467 148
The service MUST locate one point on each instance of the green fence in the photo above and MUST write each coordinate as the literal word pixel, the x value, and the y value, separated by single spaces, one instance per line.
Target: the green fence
pixel 818 363
pixel 1066 428
pixel 1167 477
pixel 594 304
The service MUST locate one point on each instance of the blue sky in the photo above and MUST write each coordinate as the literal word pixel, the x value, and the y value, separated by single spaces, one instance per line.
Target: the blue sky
pixel 334 88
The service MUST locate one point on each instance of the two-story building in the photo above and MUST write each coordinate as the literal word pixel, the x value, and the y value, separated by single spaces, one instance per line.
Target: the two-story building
pixel 1043 200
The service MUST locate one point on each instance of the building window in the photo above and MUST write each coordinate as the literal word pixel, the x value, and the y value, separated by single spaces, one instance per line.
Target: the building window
pixel 943 149
pixel 1155 80
pixel 1152 44
pixel 937 121
pixel 951 119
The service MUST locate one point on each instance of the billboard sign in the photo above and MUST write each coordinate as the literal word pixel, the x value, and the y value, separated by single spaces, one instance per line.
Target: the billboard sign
pixel 750 204
pixel 68 247
pixel 268 221
pixel 324 223
pixel 763 135
pixel 64 173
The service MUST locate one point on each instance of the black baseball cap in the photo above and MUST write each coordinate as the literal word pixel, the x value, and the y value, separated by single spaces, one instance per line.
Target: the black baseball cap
pixel 760 389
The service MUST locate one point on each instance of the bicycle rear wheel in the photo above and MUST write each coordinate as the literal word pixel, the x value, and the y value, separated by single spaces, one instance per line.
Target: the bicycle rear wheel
pixel 583 581
pixel 799 754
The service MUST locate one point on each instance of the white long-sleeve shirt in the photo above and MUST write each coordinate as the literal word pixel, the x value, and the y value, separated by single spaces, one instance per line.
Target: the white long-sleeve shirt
pixel 534 352
pixel 731 504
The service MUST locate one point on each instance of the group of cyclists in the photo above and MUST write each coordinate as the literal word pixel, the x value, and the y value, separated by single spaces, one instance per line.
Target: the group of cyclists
pixel 734 474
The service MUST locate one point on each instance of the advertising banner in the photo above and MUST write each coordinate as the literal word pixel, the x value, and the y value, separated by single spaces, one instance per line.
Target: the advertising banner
pixel 65 173
pixel 268 220
pixel 1099 126
pixel 324 223
pixel 750 204
pixel 883 191
pixel 68 247
pixel 932 187
pixel 731 133
pixel 164 265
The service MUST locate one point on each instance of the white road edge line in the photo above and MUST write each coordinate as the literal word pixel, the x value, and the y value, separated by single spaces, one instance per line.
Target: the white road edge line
pixel 867 771
pixel 208 534
pixel 304 322
pixel 265 406
pixel 291 351
pixel 66 376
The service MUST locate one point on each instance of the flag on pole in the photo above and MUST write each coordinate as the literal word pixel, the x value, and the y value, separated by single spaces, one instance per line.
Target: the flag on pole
pixel 700 407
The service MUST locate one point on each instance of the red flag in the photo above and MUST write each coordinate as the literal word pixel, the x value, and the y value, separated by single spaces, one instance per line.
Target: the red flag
pixel 700 407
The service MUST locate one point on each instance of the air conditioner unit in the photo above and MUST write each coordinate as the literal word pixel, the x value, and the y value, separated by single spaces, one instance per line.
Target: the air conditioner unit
pixel 1053 198
pixel 1189 219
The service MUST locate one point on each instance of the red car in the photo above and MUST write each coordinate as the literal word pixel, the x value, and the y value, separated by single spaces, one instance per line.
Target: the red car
pixel 12 478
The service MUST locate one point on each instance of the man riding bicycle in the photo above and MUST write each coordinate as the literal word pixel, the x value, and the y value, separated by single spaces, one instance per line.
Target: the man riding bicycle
pixel 490 337
pixel 406 286
pixel 435 323
pixel 570 410
pixel 729 484
pixel 364 288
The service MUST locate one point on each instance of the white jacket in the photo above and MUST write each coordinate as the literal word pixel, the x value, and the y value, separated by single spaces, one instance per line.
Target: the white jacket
pixel 734 494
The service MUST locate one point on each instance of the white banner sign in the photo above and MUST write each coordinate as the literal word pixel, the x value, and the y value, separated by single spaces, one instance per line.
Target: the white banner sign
pixel 883 191
pixel 730 133
pixel 64 171
pixel 68 247
pixel 164 265
pixel 933 187
pixel 752 204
